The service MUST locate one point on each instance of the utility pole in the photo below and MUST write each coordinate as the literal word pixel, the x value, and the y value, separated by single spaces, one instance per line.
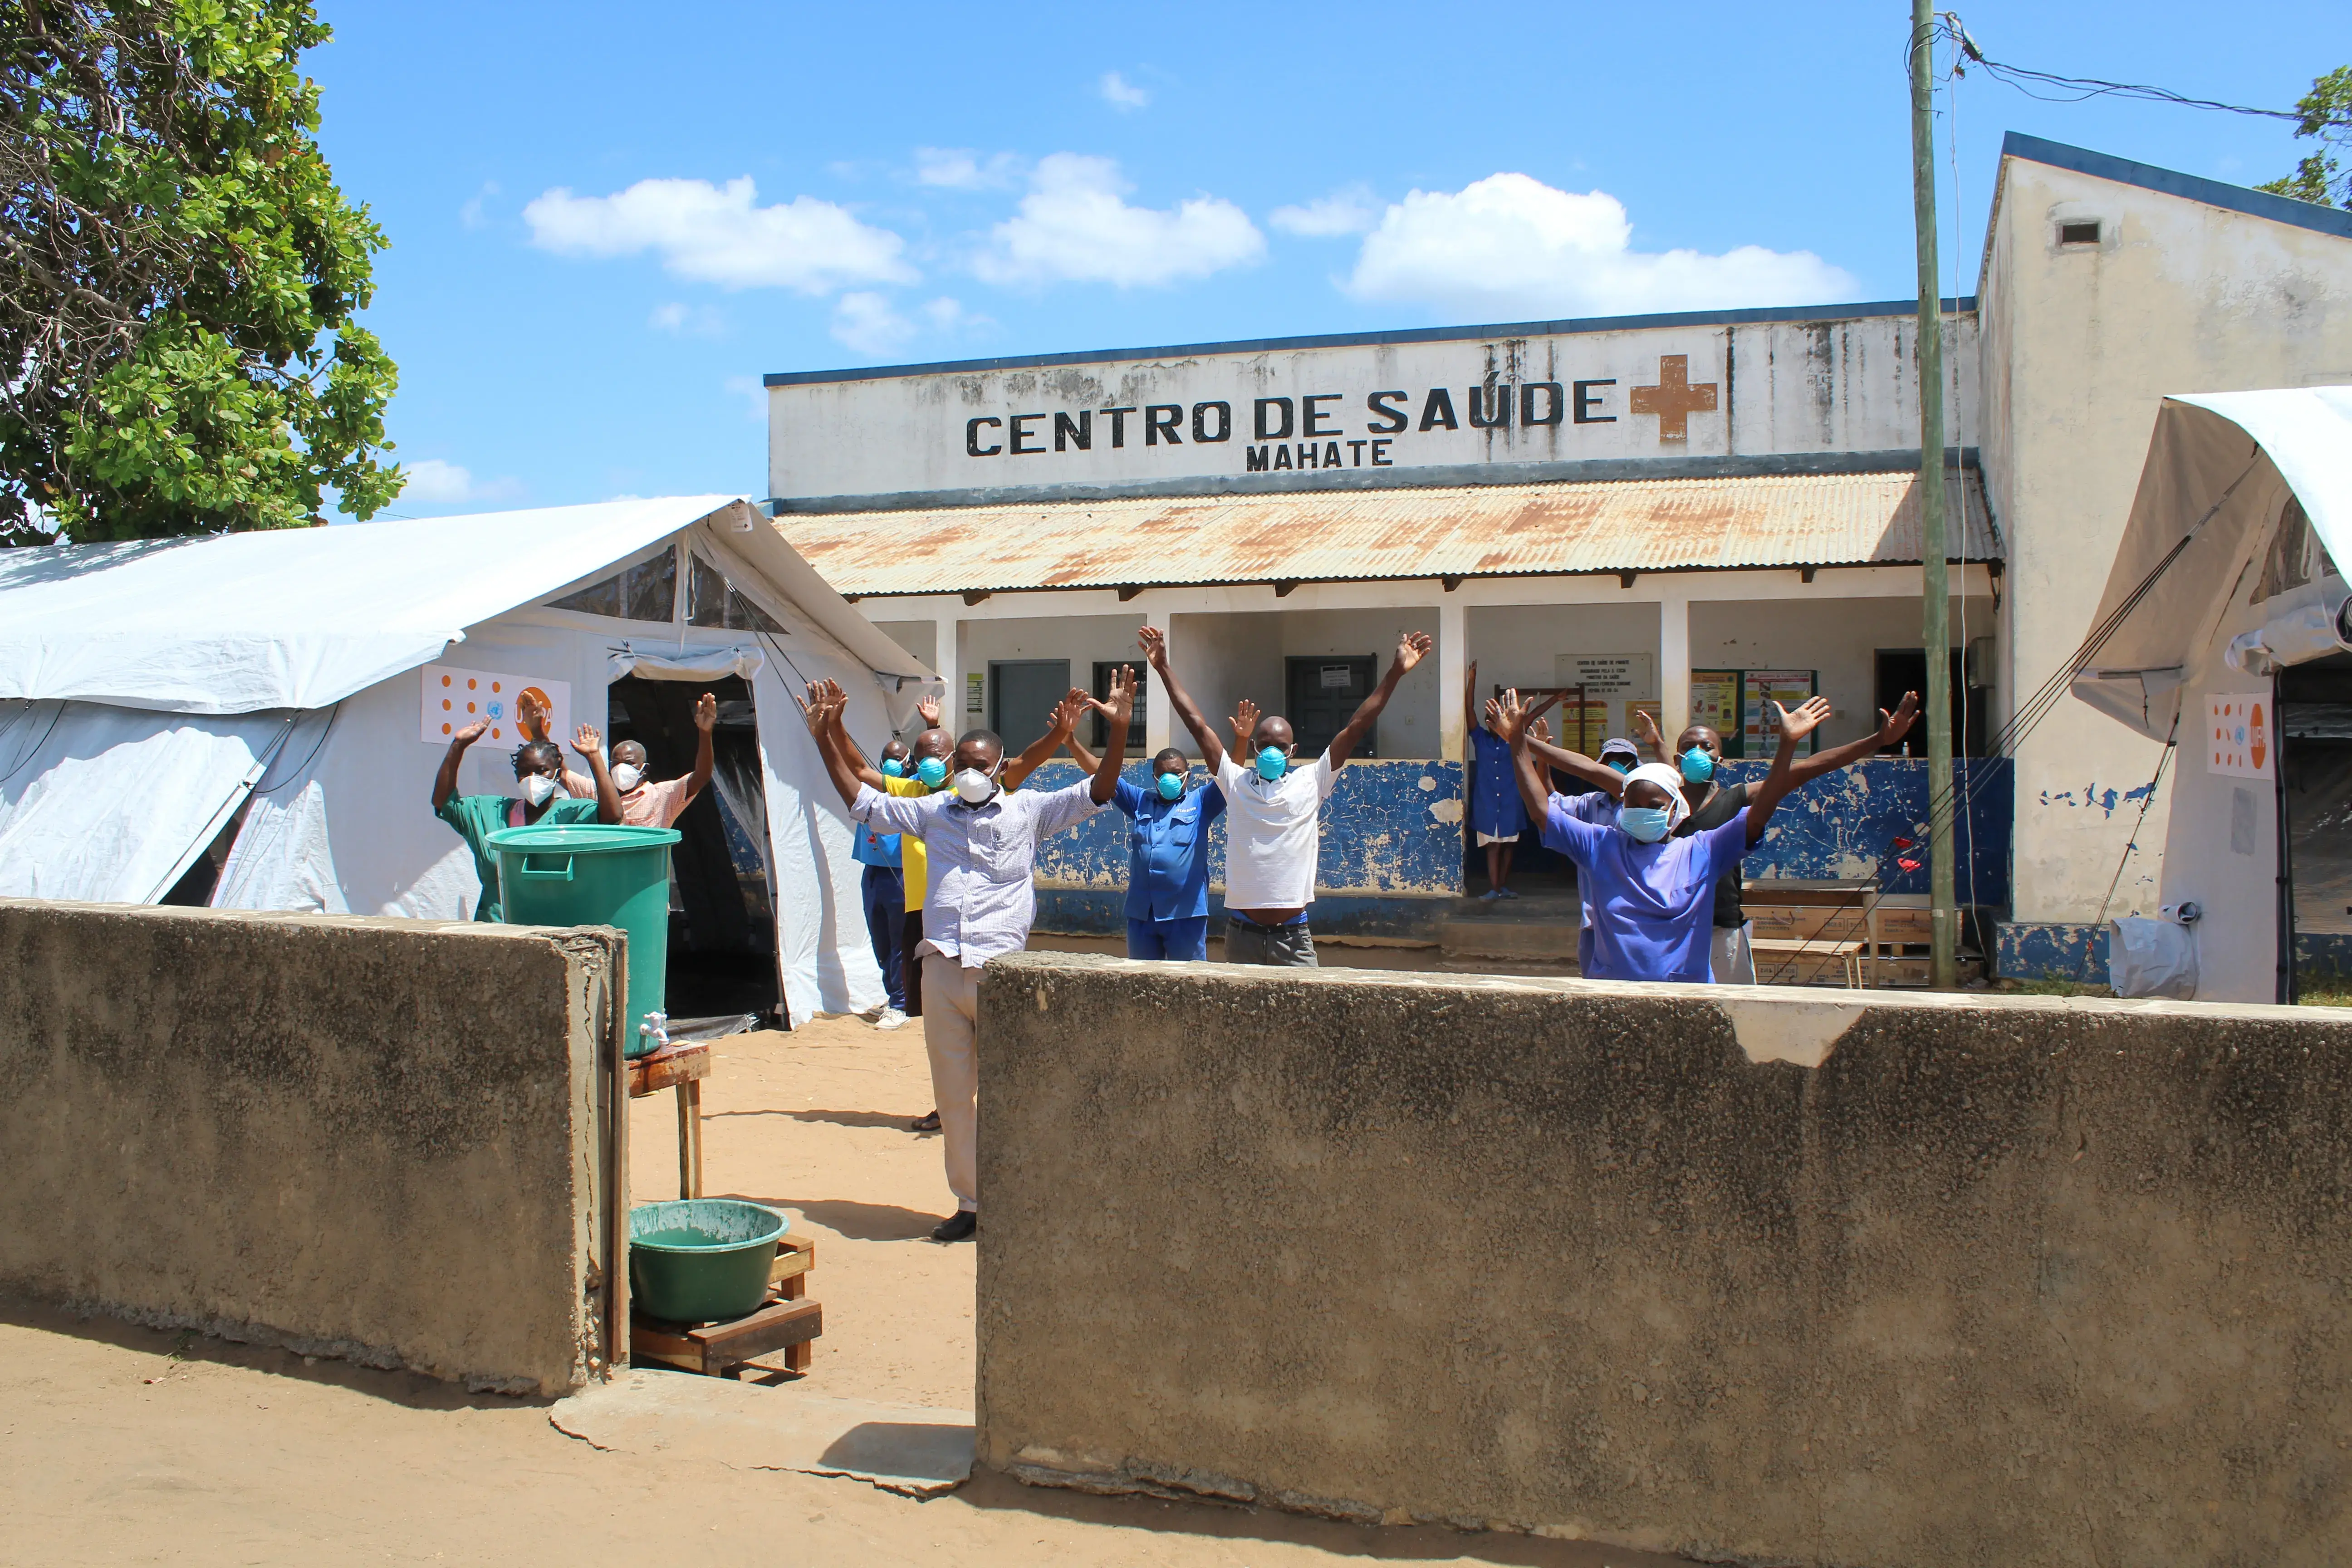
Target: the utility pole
pixel 1935 589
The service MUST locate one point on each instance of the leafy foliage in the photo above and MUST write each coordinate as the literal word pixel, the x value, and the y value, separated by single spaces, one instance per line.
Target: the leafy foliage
pixel 2326 112
pixel 178 276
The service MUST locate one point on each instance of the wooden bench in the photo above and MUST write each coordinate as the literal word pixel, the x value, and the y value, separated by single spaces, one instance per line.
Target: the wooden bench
pixel 1804 961
pixel 683 1069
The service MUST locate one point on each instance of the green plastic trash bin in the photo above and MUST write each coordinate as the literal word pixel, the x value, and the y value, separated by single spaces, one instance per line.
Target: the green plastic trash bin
pixel 587 874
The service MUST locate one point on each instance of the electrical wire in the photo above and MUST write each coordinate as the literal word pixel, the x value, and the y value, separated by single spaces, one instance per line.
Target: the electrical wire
pixel 2172 742
pixel 1947 25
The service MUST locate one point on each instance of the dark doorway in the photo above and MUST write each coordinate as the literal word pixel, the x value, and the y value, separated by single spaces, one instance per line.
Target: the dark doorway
pixel 1322 694
pixel 2316 805
pixel 1022 692
pixel 723 924
pixel 1902 670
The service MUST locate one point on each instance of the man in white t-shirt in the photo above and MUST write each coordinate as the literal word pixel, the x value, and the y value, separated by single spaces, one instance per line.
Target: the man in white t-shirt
pixel 1273 832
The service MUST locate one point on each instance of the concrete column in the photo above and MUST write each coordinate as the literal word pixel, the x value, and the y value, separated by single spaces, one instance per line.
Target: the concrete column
pixel 1452 660
pixel 1156 718
pixel 947 649
pixel 1674 664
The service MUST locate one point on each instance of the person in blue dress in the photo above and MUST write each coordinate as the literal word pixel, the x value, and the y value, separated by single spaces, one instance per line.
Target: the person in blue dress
pixel 1168 859
pixel 1497 817
pixel 1653 894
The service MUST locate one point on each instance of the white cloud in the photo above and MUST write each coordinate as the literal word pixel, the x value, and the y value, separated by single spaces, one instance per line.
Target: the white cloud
pixel 872 325
pixel 687 320
pixel 471 215
pixel 1075 227
pixel 961 169
pixel 1510 247
pixel 1352 211
pixel 437 483
pixel 753 394
pixel 722 234
pixel 1122 94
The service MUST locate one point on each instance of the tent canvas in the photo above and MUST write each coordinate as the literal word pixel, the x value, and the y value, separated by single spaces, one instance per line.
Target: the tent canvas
pixel 149 692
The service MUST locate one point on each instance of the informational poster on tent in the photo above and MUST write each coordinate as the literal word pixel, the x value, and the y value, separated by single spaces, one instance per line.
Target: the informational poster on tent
pixel 2238 739
pixel 1715 702
pixel 1787 687
pixel 518 707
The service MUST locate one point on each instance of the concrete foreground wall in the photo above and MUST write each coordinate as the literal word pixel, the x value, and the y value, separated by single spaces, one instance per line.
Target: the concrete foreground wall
pixel 1751 1275
pixel 359 1137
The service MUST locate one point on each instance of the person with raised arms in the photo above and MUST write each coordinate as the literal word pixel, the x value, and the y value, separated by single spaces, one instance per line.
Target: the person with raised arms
pixel 1652 894
pixel 1273 832
pixel 981 844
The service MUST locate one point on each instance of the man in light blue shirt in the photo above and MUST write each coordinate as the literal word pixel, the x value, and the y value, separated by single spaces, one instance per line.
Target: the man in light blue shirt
pixel 980 843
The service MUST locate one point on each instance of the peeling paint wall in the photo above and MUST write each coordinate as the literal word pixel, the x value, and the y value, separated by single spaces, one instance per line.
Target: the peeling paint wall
pixel 1849 825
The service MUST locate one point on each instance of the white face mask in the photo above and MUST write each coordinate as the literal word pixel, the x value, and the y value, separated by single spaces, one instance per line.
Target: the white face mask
pixel 626 777
pixel 536 788
pixel 973 785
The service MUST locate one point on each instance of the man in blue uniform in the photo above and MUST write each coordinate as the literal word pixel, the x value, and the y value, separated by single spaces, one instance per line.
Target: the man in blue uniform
pixel 1168 860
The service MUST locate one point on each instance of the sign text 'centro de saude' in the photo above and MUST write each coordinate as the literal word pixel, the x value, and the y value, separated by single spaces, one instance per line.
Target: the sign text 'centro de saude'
pixel 1303 409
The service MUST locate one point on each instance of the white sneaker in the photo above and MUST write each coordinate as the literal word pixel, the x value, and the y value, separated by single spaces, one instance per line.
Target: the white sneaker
pixel 890 1018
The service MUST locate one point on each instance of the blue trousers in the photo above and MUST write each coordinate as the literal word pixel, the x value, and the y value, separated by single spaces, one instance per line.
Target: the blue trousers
pixel 1180 942
pixel 886 929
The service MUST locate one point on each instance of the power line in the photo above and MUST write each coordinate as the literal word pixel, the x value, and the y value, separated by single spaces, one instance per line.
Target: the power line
pixel 2079 88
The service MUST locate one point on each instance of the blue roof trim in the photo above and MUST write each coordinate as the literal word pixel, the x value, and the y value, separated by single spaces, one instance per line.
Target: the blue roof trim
pixel 1368 339
pixel 2173 183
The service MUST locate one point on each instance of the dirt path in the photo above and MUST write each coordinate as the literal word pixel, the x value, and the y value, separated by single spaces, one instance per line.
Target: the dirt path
pixel 125 1444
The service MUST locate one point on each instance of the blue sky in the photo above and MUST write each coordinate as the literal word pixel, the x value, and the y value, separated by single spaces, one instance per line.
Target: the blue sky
pixel 608 221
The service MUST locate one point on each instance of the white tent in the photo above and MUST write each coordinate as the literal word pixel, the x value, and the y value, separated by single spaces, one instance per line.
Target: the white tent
pixel 2228 572
pixel 149 692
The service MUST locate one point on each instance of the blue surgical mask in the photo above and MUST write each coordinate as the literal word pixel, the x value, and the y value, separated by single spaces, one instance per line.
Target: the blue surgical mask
pixel 1621 762
pixel 892 767
pixel 1645 823
pixel 1172 787
pixel 932 771
pixel 1272 763
pixel 1697 766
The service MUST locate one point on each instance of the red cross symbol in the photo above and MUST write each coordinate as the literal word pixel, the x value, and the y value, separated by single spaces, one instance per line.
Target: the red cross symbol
pixel 1673 400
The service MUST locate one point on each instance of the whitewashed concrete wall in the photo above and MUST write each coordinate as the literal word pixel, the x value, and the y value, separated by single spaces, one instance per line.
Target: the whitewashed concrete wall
pixel 2079 343
pixel 1777 387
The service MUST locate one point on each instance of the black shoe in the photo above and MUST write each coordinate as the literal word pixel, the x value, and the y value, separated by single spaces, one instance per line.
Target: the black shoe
pixel 929 1123
pixel 957 1227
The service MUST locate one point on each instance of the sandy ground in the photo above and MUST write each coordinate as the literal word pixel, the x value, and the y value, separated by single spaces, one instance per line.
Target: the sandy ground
pixel 127 1445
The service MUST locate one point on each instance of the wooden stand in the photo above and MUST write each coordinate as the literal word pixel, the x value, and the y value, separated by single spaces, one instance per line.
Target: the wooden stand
pixel 683 1069
pixel 787 1322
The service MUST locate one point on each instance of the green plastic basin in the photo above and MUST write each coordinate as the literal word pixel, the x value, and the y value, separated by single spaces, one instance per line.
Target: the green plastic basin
pixel 585 874
pixel 701 1260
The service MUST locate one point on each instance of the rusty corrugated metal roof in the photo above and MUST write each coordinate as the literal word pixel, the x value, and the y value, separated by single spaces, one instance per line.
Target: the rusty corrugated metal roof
pixel 1308 536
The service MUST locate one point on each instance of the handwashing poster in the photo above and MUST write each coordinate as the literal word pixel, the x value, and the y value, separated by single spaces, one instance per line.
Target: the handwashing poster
pixel 2238 739
pixel 518 707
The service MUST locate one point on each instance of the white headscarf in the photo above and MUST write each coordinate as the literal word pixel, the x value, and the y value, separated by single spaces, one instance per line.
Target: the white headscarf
pixel 1671 781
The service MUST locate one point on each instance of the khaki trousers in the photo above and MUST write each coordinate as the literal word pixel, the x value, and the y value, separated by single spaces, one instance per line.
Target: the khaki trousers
pixel 950 1027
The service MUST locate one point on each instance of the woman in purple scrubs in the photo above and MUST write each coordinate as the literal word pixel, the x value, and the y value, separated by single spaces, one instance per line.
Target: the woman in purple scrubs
pixel 1653 895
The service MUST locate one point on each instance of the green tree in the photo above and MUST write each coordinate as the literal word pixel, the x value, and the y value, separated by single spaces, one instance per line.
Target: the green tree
pixel 2326 112
pixel 178 277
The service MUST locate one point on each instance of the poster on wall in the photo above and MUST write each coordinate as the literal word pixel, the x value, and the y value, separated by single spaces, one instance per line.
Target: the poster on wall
pixel 2238 741
pixel 1715 702
pixel 1610 677
pixel 1787 687
pixel 518 707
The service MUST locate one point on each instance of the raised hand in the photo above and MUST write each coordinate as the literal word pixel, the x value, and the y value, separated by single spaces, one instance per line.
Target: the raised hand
pixel 471 732
pixel 1064 717
pixel 1539 730
pixel 1511 717
pixel 1893 727
pixel 1803 719
pixel 1154 641
pixel 1646 732
pixel 1412 648
pixel 1121 706
pixel 926 709
pixel 706 712
pixel 1244 721
pixel 588 742
pixel 531 717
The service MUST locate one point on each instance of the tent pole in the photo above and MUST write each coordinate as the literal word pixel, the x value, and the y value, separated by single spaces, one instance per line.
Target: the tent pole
pixel 1934 585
